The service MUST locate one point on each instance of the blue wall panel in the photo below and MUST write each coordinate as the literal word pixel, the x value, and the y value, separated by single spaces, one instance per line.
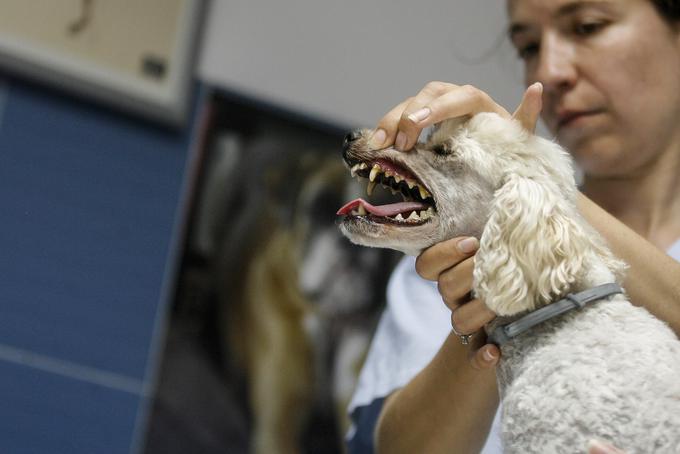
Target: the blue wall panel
pixel 88 206
pixel 48 413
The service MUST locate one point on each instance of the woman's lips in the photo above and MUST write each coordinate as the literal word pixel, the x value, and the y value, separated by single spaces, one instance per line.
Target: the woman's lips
pixel 570 118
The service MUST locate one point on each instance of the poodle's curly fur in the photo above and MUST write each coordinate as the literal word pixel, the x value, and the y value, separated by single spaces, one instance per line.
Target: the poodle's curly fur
pixel 610 371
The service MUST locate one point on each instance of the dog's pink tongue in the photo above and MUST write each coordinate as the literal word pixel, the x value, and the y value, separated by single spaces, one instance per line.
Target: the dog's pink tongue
pixel 382 210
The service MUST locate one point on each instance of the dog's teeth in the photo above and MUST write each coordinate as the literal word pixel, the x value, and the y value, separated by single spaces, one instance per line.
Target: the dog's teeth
pixel 370 187
pixel 363 165
pixel 388 173
pixel 411 184
pixel 426 214
pixel 423 192
pixel 374 172
pixel 397 178
pixel 413 217
pixel 399 217
pixel 361 211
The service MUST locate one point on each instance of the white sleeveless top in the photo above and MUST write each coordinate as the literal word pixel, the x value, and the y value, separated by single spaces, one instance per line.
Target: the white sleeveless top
pixel 412 328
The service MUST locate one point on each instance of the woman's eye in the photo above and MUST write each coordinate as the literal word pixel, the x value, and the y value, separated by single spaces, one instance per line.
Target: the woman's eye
pixel 588 28
pixel 527 51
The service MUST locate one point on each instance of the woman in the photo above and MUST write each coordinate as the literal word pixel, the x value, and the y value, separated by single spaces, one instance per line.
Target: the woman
pixel 609 73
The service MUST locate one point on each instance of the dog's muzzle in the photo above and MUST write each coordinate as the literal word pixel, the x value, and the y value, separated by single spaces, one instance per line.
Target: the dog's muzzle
pixel 352 136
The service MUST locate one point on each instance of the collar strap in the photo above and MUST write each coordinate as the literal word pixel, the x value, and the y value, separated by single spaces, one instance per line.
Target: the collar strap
pixel 505 333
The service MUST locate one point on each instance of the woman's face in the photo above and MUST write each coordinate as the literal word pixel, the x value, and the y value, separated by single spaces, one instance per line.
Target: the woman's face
pixel 611 76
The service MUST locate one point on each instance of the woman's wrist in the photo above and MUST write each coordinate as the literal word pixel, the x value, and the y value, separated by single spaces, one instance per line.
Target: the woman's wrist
pixel 449 389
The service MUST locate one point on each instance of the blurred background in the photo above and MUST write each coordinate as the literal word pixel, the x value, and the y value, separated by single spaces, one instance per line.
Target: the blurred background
pixel 172 277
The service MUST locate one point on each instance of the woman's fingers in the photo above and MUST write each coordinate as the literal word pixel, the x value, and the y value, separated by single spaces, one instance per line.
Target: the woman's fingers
pixel 457 102
pixel 451 263
pixel 529 109
pixel 386 131
pixel 454 284
pixel 485 357
pixel 470 317
pixel 410 125
pixel 397 127
pixel 442 256
pixel 437 101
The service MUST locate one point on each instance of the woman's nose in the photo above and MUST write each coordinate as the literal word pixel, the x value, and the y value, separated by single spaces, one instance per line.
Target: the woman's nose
pixel 555 67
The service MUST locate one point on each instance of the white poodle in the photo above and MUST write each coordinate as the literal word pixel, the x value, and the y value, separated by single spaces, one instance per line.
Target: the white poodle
pixel 608 370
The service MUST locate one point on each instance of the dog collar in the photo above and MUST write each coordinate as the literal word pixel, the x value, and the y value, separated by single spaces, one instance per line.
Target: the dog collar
pixel 505 333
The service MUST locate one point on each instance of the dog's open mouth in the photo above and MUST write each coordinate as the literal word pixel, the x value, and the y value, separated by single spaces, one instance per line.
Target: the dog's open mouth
pixel 416 208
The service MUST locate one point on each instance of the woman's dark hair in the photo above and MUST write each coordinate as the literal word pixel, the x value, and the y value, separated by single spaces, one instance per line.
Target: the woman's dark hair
pixel 669 9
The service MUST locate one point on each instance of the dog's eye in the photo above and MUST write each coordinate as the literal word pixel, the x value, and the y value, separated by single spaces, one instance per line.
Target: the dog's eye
pixel 441 149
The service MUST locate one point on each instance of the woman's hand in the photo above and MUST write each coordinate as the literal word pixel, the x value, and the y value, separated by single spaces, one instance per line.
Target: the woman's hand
pixel 439 101
pixel 598 447
pixel 450 263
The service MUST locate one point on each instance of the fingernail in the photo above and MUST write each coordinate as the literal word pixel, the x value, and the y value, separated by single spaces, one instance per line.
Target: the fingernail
pixel 420 115
pixel 400 143
pixel 378 138
pixel 468 245
pixel 489 356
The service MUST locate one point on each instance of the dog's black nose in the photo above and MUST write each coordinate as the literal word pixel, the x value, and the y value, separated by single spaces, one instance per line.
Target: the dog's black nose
pixel 349 138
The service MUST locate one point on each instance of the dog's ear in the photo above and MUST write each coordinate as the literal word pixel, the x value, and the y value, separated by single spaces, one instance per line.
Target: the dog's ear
pixel 531 249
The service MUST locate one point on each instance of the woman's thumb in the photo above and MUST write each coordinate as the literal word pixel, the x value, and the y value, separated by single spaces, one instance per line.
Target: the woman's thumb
pixel 530 108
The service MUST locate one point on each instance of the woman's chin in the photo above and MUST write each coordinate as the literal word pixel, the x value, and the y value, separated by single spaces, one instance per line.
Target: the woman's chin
pixel 601 157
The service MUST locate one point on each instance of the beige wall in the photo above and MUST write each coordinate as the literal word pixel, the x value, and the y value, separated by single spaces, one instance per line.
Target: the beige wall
pixel 118 33
pixel 347 61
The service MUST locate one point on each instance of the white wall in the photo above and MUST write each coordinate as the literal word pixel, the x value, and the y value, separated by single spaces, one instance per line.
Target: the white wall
pixel 349 61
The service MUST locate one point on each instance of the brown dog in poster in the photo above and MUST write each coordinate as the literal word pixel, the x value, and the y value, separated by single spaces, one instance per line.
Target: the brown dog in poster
pixel 299 303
